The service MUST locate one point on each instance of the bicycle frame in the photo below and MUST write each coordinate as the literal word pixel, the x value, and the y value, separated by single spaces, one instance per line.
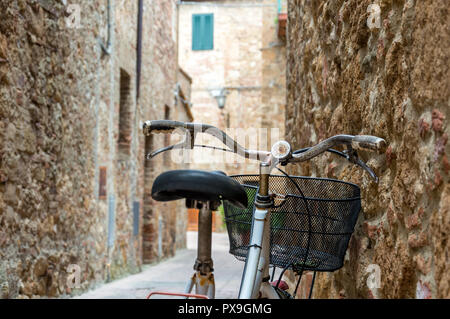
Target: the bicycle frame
pixel 255 277
pixel 254 282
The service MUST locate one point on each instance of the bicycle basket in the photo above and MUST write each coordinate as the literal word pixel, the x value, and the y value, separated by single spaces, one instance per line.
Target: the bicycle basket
pixel 310 232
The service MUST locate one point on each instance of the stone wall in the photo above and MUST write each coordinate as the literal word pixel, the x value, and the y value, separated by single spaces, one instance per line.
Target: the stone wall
pixel 67 186
pixel 47 121
pixel 345 75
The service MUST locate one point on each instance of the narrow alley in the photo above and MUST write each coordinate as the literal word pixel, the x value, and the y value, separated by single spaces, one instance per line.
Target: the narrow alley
pixel 172 275
pixel 311 135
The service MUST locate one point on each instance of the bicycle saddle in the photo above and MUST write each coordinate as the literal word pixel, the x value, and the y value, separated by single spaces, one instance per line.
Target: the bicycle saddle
pixel 198 185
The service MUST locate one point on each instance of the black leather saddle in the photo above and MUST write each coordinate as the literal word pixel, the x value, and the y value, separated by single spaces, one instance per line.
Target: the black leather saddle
pixel 198 185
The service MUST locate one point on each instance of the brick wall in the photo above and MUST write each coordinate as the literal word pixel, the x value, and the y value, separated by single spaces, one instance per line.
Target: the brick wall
pixel 390 81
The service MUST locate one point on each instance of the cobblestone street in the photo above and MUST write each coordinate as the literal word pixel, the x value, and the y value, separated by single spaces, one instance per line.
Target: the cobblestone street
pixel 172 274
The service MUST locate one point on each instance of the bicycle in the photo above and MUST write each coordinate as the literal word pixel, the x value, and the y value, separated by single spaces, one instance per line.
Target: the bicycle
pixel 271 220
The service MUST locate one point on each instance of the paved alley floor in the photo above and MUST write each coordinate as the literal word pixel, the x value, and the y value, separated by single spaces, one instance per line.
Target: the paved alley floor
pixel 172 274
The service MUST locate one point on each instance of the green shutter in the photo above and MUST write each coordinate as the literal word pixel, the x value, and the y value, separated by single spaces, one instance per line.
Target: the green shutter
pixel 196 20
pixel 209 32
pixel 202 31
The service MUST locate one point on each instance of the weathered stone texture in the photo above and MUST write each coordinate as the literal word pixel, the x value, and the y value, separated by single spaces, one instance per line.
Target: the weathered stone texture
pixel 59 123
pixel 46 120
pixel 392 82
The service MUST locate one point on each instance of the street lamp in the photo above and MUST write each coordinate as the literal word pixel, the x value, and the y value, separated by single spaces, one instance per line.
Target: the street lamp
pixel 221 96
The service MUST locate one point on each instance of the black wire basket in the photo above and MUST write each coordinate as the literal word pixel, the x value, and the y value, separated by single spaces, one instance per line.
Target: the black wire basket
pixel 310 225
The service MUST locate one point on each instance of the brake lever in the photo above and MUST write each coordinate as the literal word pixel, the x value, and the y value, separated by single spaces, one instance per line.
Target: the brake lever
pixel 367 169
pixel 352 157
pixel 184 144
pixel 164 149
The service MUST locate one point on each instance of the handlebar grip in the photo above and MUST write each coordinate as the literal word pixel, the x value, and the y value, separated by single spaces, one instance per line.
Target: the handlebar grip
pixel 369 142
pixel 161 126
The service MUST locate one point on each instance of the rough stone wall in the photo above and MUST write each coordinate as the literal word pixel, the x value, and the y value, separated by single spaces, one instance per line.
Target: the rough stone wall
pixel 59 119
pixel 46 119
pixel 390 81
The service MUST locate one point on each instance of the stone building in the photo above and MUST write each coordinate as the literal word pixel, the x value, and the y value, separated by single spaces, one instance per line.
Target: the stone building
pixel 232 47
pixel 380 68
pixel 77 80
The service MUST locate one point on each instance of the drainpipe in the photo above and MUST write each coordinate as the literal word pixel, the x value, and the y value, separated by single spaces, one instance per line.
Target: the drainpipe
pixel 160 229
pixel 139 47
pixel 107 49
pixel 177 46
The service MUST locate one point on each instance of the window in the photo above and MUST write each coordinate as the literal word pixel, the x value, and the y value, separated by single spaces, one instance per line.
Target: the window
pixel 202 32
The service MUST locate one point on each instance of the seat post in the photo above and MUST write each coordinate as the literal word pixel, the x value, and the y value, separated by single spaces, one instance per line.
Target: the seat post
pixel 203 279
pixel 204 262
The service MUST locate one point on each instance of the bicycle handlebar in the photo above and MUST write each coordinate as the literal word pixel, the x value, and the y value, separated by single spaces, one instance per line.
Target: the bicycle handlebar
pixel 365 142
pixel 281 152
pixel 163 126
pixel 169 126
pixel 369 142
